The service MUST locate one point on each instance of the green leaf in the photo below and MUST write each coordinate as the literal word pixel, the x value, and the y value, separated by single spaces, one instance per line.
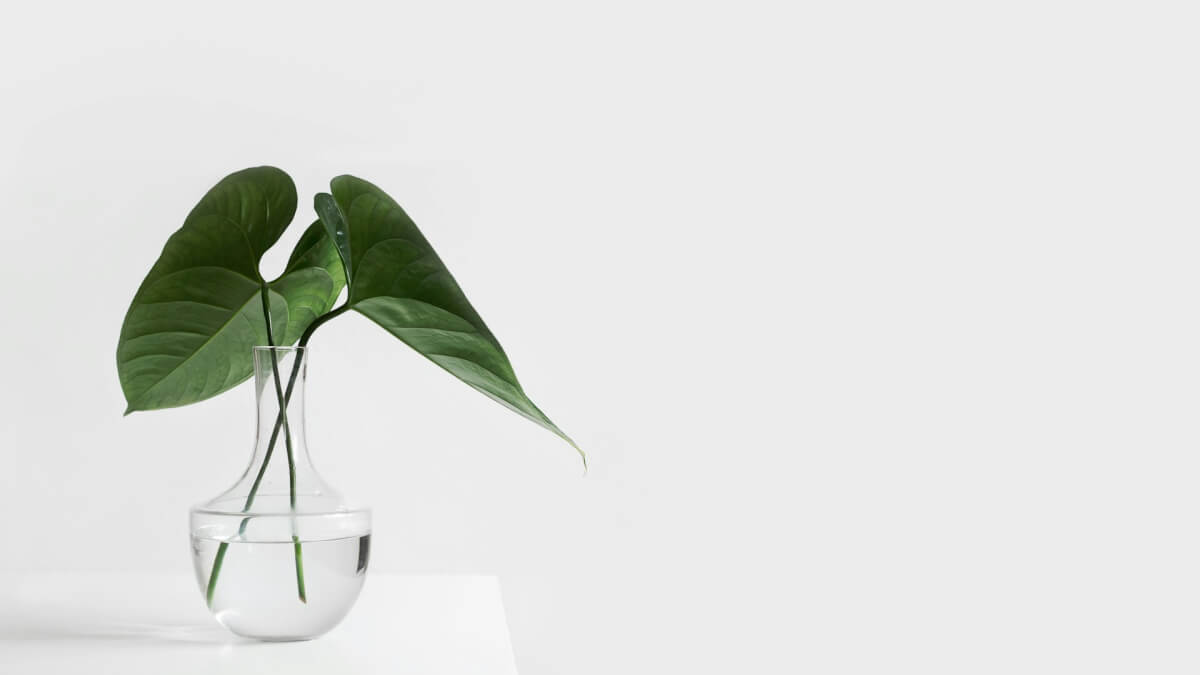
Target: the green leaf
pixel 335 226
pixel 310 284
pixel 400 283
pixel 188 333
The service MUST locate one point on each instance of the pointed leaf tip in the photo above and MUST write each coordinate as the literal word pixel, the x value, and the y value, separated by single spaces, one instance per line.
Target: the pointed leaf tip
pixel 400 283
pixel 582 454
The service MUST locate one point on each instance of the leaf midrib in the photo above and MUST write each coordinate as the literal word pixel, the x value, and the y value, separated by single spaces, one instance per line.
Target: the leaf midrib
pixel 498 376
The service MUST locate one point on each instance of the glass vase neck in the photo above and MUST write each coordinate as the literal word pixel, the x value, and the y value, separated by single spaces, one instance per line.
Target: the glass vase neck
pixel 280 477
pixel 279 380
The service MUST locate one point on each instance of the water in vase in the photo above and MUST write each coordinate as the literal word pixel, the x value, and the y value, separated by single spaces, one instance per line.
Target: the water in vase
pixel 281 555
pixel 258 596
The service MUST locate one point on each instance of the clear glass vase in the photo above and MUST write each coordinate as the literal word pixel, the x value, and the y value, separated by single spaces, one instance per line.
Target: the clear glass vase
pixel 280 555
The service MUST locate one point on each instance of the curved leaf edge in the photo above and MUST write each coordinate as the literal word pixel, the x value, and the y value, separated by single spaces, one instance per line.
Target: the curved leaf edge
pixel 543 421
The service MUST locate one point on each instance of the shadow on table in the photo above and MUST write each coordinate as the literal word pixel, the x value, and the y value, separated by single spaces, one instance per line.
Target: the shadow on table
pixel 41 627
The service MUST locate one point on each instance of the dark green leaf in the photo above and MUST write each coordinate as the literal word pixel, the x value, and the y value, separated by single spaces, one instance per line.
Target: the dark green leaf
pixel 335 226
pixel 188 333
pixel 400 283
pixel 311 283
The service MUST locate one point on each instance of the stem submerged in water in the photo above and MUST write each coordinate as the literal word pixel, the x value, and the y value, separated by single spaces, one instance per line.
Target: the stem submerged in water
pixel 280 421
pixel 262 470
pixel 291 458
pixel 299 568
pixel 287 436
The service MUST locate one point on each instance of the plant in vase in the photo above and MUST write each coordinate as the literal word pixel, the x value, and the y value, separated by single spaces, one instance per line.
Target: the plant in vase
pixel 204 320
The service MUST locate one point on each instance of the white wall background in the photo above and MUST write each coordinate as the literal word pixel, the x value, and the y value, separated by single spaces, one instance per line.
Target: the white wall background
pixel 878 319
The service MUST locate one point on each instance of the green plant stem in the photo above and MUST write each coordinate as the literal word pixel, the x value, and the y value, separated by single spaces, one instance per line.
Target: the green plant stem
pixel 299 567
pixel 279 422
pixel 287 440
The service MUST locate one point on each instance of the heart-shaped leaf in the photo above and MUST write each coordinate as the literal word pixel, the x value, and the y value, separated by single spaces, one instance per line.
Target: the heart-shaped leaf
pixel 399 282
pixel 188 333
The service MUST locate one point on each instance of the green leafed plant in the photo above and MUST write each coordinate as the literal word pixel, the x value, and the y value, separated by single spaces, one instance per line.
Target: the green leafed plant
pixel 204 304
pixel 188 333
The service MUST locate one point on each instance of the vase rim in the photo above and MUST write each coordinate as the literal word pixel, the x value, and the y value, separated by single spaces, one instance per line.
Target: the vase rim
pixel 279 348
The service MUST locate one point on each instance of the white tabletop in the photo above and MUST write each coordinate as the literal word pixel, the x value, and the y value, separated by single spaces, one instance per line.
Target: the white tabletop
pixel 133 624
